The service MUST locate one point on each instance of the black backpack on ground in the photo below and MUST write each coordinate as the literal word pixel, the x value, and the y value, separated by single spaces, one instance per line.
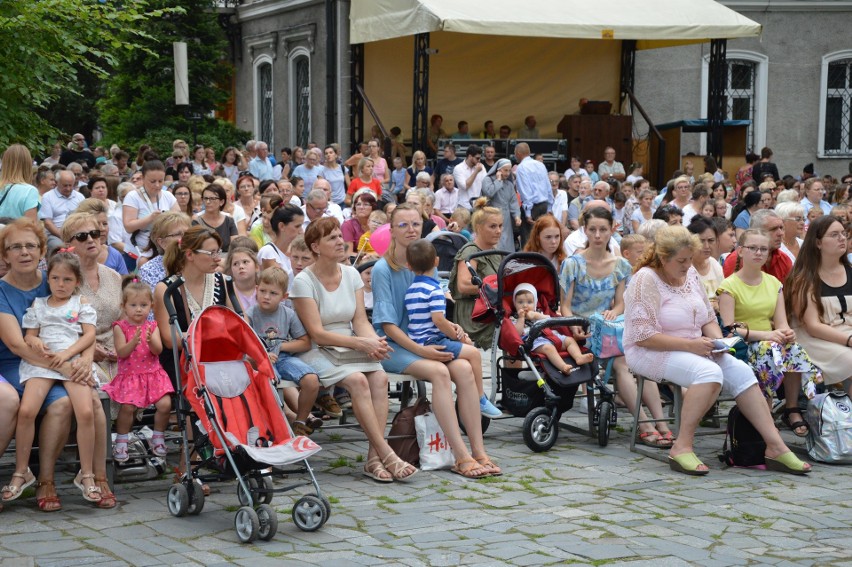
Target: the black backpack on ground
pixel 747 447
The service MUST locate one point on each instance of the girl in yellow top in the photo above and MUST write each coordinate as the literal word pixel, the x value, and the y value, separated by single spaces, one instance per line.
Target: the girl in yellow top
pixel 753 297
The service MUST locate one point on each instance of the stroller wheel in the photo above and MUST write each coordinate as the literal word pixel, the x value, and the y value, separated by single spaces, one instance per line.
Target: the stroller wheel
pixel 309 513
pixel 266 497
pixel 327 505
pixel 605 408
pixel 197 504
pixel 540 430
pixel 178 500
pixel 268 522
pixel 247 524
pixel 241 495
pixel 485 421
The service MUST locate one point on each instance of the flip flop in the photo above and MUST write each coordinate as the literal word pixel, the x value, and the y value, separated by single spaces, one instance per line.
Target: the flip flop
pixel 787 463
pixel 687 463
pixel 16 491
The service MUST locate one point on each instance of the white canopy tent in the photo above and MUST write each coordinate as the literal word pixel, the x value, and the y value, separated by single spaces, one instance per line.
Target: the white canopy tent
pixel 654 23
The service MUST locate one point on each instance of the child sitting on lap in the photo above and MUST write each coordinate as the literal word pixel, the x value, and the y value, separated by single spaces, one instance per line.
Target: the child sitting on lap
pixel 285 336
pixel 427 322
pixel 525 300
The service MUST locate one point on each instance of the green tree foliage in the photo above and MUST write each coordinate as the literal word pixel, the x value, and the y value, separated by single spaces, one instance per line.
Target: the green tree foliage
pixel 43 45
pixel 139 98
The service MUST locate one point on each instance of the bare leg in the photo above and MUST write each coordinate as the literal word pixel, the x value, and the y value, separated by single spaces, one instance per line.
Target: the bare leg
pixel 291 401
pixel 99 464
pixel 35 390
pixel 81 401
pixel 125 419
pixel 438 375
pixel 377 382
pixel 471 354
pixel 696 402
pixel 308 390
pixel 576 353
pixel 752 404
pixel 792 387
pixel 627 390
pixel 553 357
pixel 164 409
pixel 467 397
pixel 9 404
pixel 53 435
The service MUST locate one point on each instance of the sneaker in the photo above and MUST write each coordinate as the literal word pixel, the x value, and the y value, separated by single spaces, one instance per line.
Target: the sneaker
pixel 300 428
pixel 487 408
pixel 329 405
pixel 343 400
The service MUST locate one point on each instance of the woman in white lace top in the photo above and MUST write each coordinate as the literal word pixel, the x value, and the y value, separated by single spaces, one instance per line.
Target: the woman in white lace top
pixel 669 329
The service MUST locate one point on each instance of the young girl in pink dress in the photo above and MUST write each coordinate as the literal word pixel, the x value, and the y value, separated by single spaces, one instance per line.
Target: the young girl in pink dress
pixel 140 381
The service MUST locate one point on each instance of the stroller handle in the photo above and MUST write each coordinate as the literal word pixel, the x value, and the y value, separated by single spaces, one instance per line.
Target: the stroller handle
pixel 475 279
pixel 171 288
pixel 537 328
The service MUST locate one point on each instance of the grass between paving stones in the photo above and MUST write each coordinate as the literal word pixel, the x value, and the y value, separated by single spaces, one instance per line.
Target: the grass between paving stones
pixel 340 462
pixel 335 437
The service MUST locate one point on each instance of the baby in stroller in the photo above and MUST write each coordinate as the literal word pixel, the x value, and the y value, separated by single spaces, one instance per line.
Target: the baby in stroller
pixel 525 300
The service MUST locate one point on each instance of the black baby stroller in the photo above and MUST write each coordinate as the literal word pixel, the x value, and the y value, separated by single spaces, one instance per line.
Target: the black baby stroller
pixel 540 393
pixel 226 377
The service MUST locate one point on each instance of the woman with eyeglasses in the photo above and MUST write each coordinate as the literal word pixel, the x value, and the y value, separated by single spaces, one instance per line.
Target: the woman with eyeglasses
pixel 753 297
pixel 108 256
pixel 353 228
pixel 214 198
pixel 183 195
pixel 819 293
pixel 390 281
pixel 22 244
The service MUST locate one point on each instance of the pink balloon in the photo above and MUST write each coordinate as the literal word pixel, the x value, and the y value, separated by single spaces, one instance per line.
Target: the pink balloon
pixel 380 239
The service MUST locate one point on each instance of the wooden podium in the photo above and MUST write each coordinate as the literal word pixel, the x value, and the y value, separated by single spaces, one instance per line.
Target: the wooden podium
pixel 588 134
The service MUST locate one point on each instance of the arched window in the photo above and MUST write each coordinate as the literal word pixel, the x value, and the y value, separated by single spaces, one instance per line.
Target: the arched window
pixel 835 127
pixel 745 93
pixel 300 96
pixel 264 117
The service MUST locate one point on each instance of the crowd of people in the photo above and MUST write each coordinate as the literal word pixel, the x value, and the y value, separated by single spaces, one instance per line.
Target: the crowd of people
pixel 328 250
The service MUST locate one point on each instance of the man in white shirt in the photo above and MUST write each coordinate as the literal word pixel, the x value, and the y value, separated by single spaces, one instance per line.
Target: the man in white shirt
pixel 315 207
pixel 57 204
pixel 577 240
pixel 260 166
pixel 468 176
pixel 609 168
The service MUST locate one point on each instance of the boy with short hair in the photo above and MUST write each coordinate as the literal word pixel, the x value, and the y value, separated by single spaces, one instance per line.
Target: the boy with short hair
pixel 427 321
pixel 459 222
pixel 632 247
pixel 284 336
pixel 300 257
pixel 398 177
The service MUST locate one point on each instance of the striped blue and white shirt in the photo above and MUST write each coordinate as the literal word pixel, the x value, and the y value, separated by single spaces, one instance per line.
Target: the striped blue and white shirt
pixel 424 297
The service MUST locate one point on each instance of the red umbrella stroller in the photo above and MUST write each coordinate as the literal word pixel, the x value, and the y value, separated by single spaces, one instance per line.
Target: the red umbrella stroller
pixel 539 393
pixel 228 382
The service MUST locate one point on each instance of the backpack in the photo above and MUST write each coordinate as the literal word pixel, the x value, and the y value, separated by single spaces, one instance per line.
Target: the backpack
pixel 747 446
pixel 402 436
pixel 830 435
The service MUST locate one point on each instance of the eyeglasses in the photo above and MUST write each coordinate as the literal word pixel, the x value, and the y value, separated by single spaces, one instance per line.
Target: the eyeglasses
pixel 757 249
pixel 795 219
pixel 213 254
pixel 84 236
pixel 407 225
pixel 182 194
pixel 837 235
pixel 18 248
pixel 210 199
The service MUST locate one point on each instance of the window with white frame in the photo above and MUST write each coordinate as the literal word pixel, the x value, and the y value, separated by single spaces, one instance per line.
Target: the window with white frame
pixel 837 107
pixel 745 93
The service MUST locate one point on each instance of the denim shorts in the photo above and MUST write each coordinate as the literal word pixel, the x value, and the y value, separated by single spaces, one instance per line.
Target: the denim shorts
pixel 291 368
pixel 453 347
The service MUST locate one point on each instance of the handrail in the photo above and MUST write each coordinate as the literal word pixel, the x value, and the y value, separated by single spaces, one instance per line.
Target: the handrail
pixel 661 152
pixel 363 95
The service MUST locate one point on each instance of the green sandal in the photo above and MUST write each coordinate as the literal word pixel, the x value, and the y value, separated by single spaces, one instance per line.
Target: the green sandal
pixel 687 463
pixel 787 463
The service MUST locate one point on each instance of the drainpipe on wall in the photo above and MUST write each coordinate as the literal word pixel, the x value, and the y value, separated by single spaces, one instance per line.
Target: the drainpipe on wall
pixel 330 72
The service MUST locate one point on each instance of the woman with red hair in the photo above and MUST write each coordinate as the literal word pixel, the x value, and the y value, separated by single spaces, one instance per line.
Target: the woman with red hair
pixel 546 239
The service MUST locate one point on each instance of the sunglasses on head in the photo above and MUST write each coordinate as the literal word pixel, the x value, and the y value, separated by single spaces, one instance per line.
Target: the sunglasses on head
pixel 84 236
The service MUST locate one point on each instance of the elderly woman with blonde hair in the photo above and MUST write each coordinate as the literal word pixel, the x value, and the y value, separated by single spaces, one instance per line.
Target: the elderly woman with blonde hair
pixel 109 256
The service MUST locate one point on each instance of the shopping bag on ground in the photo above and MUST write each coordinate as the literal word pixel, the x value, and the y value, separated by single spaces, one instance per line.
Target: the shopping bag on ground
pixel 435 451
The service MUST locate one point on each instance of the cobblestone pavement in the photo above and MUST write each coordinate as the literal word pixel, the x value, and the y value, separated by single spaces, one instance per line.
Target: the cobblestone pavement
pixel 577 504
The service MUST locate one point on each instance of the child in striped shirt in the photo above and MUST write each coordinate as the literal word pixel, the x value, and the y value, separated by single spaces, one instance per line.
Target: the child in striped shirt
pixel 427 321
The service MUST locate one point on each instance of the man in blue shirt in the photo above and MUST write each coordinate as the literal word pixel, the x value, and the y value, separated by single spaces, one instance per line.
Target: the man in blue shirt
pixel 260 166
pixel 534 187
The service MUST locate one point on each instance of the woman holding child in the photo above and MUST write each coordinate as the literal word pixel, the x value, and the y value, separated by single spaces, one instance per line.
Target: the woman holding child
pixel 329 300
pixel 391 280
pixel 669 329
pixel 22 243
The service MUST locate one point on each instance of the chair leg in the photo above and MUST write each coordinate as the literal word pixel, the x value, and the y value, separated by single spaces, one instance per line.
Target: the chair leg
pixel 640 386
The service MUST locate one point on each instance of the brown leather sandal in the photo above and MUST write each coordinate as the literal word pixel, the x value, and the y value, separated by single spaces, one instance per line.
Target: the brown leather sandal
pixel 107 495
